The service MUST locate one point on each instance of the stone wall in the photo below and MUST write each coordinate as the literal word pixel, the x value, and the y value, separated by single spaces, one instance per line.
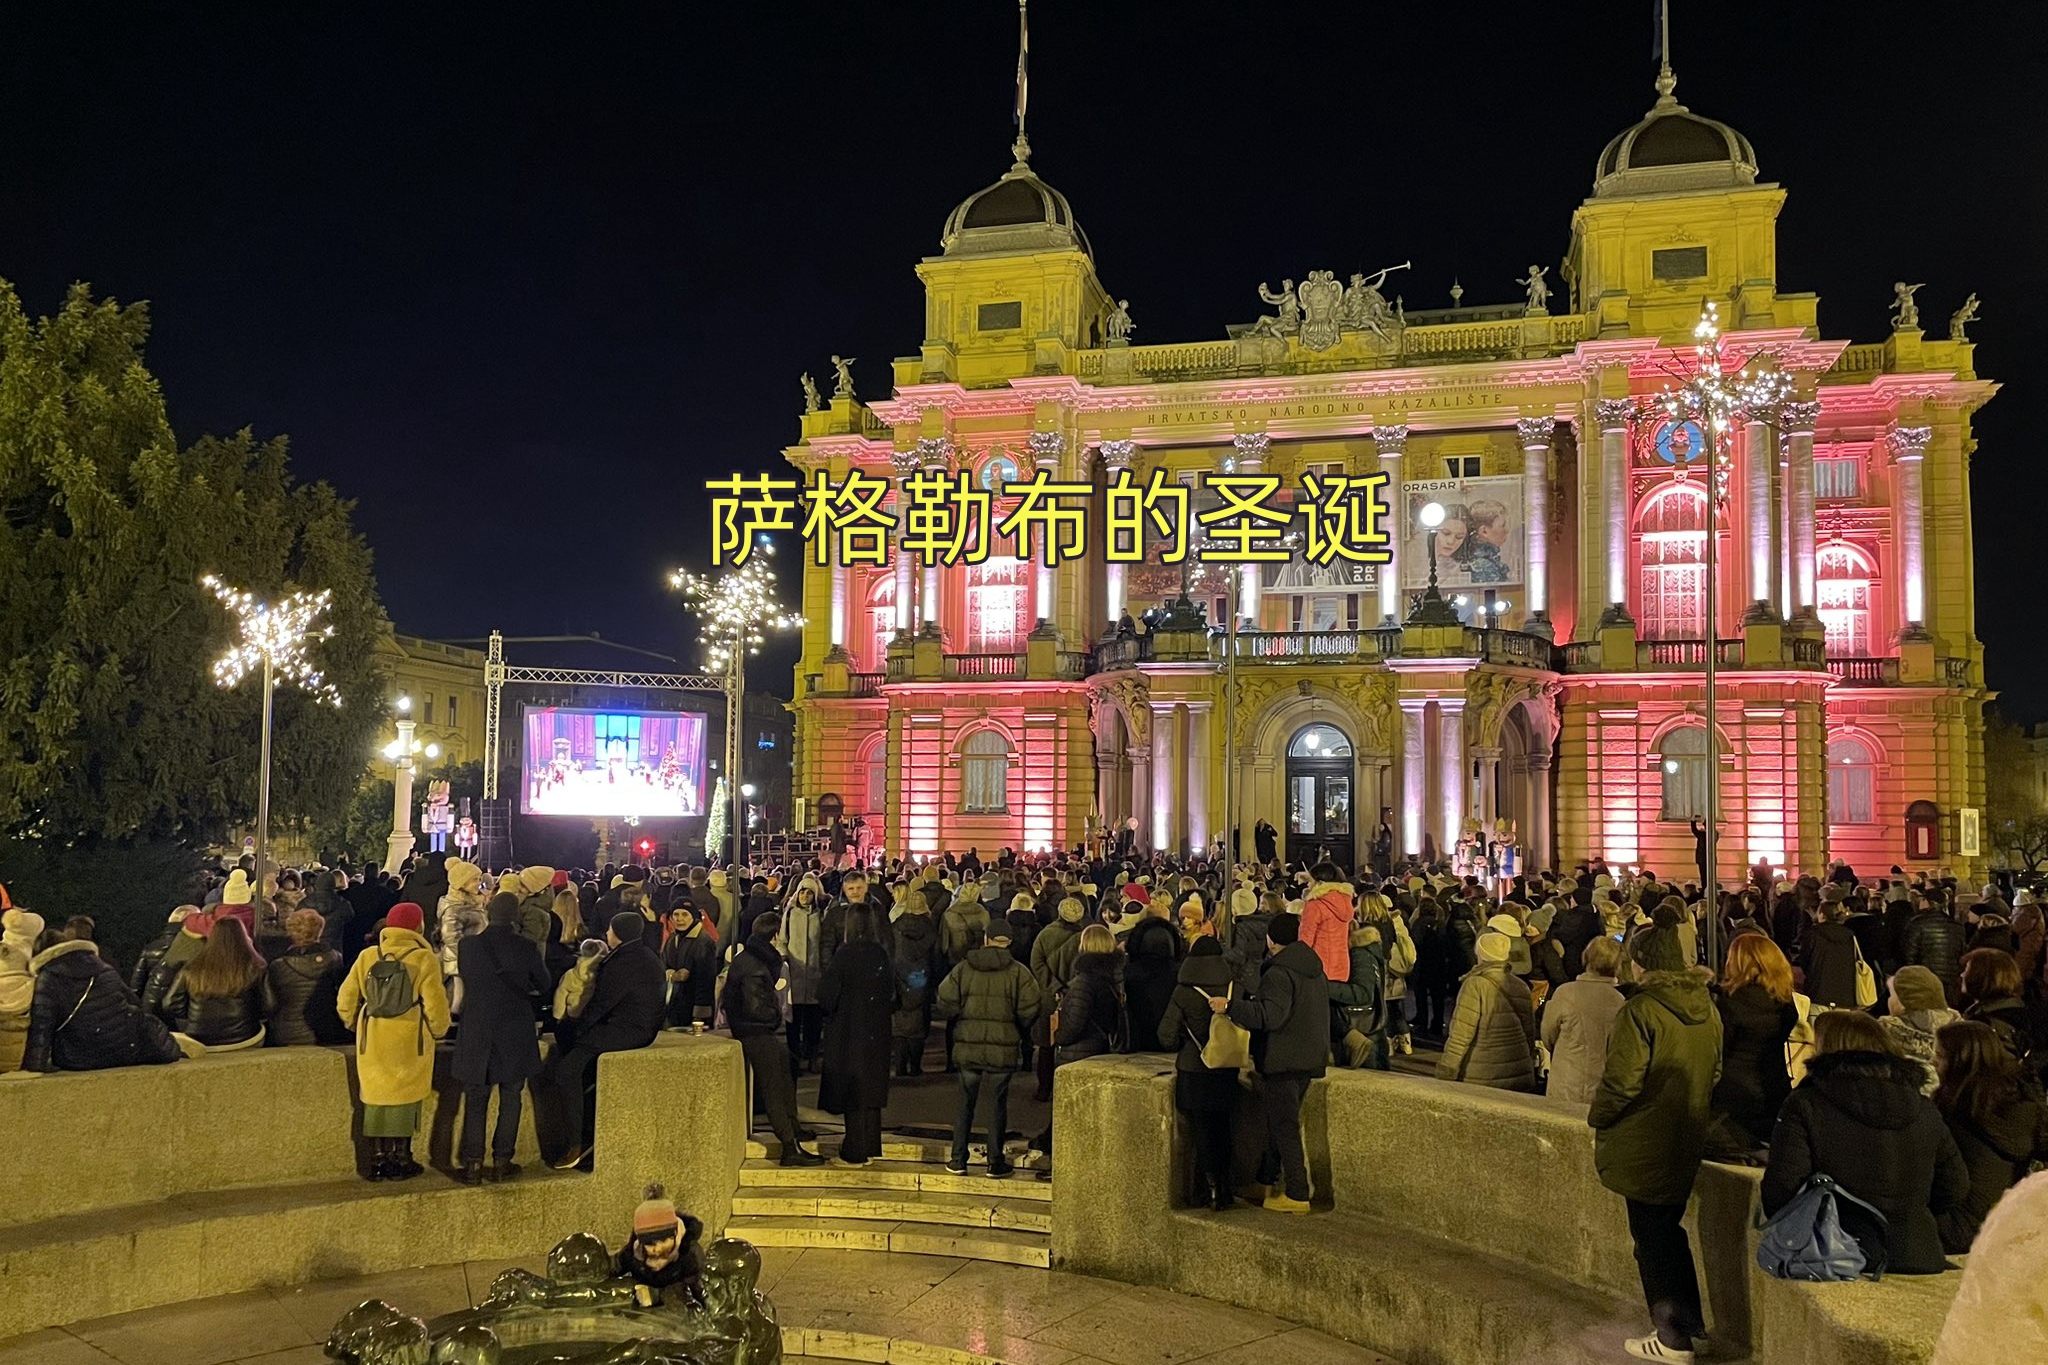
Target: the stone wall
pixel 150 1185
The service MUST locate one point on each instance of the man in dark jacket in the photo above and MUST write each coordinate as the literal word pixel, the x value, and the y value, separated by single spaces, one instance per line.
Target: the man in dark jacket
pixel 502 978
pixel 1289 1020
pixel 996 1001
pixel 83 1017
pixel 753 1011
pixel 853 891
pixel 1574 927
pixel 624 1012
pixel 1934 941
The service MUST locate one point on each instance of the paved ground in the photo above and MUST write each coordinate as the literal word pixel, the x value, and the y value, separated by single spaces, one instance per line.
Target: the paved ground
pixel 1005 1313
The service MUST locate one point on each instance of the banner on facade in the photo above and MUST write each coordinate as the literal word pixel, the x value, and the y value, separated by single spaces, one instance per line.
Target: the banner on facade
pixel 1482 542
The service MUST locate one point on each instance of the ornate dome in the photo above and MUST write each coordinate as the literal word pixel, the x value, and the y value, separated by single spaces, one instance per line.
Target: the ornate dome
pixel 1020 212
pixel 1673 148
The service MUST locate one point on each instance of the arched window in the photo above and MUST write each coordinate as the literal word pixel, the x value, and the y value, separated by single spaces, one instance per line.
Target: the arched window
pixel 985 774
pixel 1674 570
pixel 997 598
pixel 1319 741
pixel 1843 590
pixel 878 780
pixel 881 621
pixel 1849 783
pixel 1682 757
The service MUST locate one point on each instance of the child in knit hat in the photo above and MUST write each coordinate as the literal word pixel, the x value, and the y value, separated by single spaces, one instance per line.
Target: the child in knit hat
pixel 665 1252
pixel 573 990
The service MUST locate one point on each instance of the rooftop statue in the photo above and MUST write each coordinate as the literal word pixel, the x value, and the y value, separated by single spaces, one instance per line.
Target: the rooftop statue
pixel 842 376
pixel 579 1313
pixel 1905 312
pixel 812 403
pixel 1119 324
pixel 1539 292
pixel 1287 321
pixel 1322 300
pixel 1961 319
pixel 1365 307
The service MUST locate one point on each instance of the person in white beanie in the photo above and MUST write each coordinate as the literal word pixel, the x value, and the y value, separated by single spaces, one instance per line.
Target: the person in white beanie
pixel 17 982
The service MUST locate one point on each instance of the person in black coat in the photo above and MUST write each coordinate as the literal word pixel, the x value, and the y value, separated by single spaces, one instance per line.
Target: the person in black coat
pixel 503 977
pixel 1153 951
pixel 1266 841
pixel 857 996
pixel 1205 1097
pixel 689 961
pixel 304 981
pixel 1574 927
pixel 753 1012
pixel 1831 960
pixel 624 1012
pixel 1090 1012
pixel 1757 1016
pixel 83 1017
pixel 1289 1019
pixel 1934 941
pixel 1859 1118
pixel 1997 1118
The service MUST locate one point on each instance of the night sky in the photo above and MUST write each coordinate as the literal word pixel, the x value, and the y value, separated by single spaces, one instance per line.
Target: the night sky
pixel 518 279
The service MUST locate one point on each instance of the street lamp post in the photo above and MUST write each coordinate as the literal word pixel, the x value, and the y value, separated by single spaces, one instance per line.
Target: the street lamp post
pixel 1717 399
pixel 273 640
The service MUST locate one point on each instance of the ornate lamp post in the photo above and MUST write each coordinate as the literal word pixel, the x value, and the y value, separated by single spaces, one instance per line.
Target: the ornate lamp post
pixel 735 611
pixel 1717 397
pixel 273 640
pixel 401 752
pixel 1432 610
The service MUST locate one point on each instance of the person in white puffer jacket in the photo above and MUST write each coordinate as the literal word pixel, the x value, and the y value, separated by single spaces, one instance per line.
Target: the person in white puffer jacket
pixel 19 930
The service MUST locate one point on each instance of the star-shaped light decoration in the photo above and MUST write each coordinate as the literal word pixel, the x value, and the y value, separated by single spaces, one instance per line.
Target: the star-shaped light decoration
pixel 1717 399
pixel 735 610
pixel 282 632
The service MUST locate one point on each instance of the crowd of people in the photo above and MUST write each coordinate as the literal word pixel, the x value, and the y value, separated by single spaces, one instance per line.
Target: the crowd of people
pixel 1890 1036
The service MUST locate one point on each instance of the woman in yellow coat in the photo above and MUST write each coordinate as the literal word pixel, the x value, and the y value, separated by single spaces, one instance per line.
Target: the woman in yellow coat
pixel 395 1052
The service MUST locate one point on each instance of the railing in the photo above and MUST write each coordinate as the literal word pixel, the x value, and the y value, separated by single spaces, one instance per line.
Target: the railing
pixel 1125 651
pixel 1507 647
pixel 1864 672
pixel 902 667
pixel 1276 646
pixel 1462 338
pixel 1073 663
pixel 984 665
pixel 1581 656
pixel 1865 359
pixel 1955 672
pixel 1420 341
pixel 1687 653
pixel 865 684
pixel 1809 651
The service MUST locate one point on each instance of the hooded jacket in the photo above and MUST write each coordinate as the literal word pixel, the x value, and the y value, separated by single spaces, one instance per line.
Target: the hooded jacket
pixel 1860 1118
pixel 801 941
pixel 996 1000
pixel 1185 1024
pixel 919 966
pixel 963 925
pixel 1152 951
pixel 460 914
pixel 752 1008
pixel 1655 1100
pixel 1326 926
pixel 1578 1019
pixel 84 1017
pixel 1289 1016
pixel 19 930
pixel 1493 1031
pixel 1362 996
pixel 395 1057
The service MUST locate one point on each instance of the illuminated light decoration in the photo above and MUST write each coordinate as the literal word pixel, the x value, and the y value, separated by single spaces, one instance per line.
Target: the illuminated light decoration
pixel 274 642
pixel 735 610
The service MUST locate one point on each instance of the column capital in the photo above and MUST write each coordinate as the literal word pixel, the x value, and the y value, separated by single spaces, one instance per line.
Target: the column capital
pixel 1116 454
pixel 1908 443
pixel 1252 447
pixel 1613 414
pixel 906 462
pixel 1391 438
pixel 1046 448
pixel 933 452
pixel 1539 760
pixel 1535 431
pixel 1798 418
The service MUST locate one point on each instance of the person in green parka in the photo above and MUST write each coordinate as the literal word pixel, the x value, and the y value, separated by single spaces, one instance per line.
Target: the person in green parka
pixel 1650 1118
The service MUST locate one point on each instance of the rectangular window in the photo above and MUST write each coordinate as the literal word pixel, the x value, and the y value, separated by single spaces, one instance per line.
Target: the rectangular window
pixel 451 711
pixel 430 708
pixel 1849 794
pixel 1838 478
pixel 1461 466
pixel 999 317
pixel 1679 263
pixel 1301 805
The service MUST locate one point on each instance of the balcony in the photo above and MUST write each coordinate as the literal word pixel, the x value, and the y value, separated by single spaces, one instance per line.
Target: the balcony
pixel 982 667
pixel 1124 651
pixel 1862 672
pixel 1306 646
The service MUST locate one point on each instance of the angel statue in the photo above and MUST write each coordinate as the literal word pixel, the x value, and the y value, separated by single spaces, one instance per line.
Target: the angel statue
pixel 1962 318
pixel 1539 292
pixel 1288 322
pixel 1905 312
pixel 1365 307
pixel 842 376
pixel 1119 324
pixel 812 403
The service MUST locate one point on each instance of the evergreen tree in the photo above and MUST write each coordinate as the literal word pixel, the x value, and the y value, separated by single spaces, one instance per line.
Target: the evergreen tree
pixel 716 827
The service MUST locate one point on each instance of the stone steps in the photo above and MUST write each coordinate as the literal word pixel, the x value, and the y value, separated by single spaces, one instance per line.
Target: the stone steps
pixel 906 1202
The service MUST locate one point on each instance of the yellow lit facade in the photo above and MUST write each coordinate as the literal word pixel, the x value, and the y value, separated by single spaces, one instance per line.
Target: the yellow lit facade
pixel 999 705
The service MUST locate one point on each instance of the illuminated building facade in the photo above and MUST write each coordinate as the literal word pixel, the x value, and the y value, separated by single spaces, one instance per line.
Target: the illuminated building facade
pixel 998 705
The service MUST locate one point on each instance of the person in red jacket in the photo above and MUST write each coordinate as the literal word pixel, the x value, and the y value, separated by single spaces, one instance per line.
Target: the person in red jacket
pixel 1326 920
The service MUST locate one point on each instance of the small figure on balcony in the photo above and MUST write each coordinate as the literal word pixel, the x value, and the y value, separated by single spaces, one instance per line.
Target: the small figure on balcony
pixel 1905 312
pixel 1961 319
pixel 1119 324
pixel 1538 291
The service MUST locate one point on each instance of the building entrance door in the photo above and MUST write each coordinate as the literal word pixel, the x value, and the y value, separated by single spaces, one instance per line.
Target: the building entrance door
pixel 1321 796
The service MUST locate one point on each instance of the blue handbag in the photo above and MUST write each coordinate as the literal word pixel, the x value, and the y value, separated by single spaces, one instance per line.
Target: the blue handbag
pixel 1805 1240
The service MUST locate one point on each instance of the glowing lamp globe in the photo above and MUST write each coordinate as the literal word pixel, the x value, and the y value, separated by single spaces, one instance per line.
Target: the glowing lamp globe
pixel 1431 516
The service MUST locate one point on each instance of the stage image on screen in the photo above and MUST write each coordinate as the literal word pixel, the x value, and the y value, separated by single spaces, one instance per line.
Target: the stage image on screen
pixel 597 763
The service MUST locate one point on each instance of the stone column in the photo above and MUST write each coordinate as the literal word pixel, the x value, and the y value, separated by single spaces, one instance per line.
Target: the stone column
pixel 1414 774
pixel 1759 458
pixel 1535 433
pixel 1613 415
pixel 934 453
pixel 1141 794
pixel 1798 420
pixel 905 463
pixel 1251 459
pixel 1177 776
pixel 1537 836
pixel 1489 784
pixel 1392 440
pixel 1197 751
pixel 1909 449
pixel 1454 785
pixel 1045 454
pixel 1116 458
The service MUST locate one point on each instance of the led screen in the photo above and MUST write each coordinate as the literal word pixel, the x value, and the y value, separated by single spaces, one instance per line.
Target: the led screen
pixel 595 762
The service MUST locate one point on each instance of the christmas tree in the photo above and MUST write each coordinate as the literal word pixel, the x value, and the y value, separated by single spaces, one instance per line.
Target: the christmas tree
pixel 714 829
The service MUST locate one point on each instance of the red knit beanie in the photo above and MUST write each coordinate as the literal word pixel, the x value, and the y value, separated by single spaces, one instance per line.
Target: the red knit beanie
pixel 404 915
